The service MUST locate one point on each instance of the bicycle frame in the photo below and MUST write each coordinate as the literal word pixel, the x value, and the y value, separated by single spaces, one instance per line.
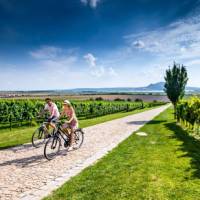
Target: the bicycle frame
pixel 58 132
pixel 44 125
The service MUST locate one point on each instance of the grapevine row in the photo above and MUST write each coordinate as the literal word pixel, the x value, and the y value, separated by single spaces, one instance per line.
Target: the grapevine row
pixel 20 111
pixel 188 112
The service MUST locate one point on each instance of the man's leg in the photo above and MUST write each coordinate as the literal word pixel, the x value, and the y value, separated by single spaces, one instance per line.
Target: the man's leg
pixel 52 125
pixel 53 121
pixel 47 126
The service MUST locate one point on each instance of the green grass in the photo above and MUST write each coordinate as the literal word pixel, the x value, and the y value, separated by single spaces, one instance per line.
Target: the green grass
pixel 164 165
pixel 23 135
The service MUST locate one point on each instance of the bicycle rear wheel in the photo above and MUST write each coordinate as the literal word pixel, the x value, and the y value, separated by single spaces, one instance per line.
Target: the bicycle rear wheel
pixel 52 147
pixel 38 137
pixel 78 138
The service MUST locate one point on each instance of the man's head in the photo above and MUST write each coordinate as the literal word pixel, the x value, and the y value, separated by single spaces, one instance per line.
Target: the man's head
pixel 48 101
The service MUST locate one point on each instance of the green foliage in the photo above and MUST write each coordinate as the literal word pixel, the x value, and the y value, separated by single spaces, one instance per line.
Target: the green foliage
pixel 18 111
pixel 188 112
pixel 175 82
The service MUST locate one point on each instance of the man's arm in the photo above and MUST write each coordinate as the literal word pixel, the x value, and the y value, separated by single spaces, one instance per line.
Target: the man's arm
pixel 62 114
pixel 42 111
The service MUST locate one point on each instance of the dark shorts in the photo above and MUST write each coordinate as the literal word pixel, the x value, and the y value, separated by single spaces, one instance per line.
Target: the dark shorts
pixel 53 119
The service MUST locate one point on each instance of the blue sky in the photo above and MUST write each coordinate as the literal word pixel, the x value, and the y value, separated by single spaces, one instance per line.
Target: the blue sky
pixel 65 44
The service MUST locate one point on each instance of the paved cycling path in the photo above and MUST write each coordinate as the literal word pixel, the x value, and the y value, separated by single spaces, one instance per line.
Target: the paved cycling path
pixel 26 174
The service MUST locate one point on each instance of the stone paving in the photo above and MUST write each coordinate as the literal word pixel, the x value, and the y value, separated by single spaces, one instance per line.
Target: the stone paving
pixel 26 174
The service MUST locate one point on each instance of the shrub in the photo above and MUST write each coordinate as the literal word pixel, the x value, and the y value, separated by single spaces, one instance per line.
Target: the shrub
pixel 138 100
pixel 99 99
pixel 188 112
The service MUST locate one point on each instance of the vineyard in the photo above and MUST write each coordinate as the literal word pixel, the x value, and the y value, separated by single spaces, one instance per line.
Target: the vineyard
pixel 23 112
pixel 188 113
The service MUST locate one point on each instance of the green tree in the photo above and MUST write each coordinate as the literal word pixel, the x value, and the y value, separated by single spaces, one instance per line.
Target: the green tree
pixel 175 82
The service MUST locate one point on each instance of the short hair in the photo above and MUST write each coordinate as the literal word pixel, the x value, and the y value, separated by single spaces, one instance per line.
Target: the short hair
pixel 48 99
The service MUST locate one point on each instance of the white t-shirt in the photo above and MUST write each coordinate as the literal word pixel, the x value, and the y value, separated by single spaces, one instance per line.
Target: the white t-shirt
pixel 53 109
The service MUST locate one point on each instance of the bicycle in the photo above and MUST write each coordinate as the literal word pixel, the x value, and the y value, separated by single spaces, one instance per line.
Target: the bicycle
pixel 40 135
pixel 53 144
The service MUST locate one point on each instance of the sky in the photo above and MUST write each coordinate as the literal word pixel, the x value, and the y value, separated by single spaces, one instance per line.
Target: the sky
pixel 66 44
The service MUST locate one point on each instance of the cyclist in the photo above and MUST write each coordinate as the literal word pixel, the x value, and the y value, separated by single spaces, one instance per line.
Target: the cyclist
pixel 54 113
pixel 72 121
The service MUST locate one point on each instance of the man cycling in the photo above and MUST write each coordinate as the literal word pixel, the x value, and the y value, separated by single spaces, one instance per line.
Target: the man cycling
pixel 54 113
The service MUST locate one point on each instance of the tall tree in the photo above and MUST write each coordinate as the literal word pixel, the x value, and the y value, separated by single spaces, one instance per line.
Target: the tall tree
pixel 175 82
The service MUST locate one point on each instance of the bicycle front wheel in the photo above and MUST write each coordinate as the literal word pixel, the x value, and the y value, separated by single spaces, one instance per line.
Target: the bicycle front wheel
pixel 79 138
pixel 52 147
pixel 38 137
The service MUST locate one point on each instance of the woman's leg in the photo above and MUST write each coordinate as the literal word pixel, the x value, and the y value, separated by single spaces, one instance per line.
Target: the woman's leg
pixel 71 137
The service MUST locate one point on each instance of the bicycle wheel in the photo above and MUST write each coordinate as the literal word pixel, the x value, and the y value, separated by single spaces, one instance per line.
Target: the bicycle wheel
pixel 78 138
pixel 38 137
pixel 52 147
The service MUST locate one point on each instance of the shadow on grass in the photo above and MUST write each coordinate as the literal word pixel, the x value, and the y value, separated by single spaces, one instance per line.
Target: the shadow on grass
pixel 190 146
pixel 148 122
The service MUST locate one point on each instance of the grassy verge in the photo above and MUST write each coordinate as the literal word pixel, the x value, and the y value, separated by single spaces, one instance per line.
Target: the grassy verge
pixel 23 135
pixel 164 165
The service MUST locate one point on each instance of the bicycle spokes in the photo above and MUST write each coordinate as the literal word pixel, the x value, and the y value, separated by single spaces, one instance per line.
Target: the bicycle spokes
pixel 52 147
pixel 38 137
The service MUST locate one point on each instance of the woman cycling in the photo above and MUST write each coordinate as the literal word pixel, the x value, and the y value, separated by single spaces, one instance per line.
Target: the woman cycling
pixel 72 121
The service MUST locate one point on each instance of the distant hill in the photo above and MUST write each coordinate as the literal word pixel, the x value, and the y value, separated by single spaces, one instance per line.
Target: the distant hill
pixel 160 86
pixel 156 86
pixel 153 87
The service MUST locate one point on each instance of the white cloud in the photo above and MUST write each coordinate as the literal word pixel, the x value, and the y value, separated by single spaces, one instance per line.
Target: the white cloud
pixel 95 70
pixel 54 64
pixel 90 59
pixel 54 57
pixel 46 52
pixel 91 3
pixel 112 72
pixel 195 62
pixel 180 40
pixel 98 70
pixel 62 71
pixel 138 44
pixel 84 1
pixel 153 74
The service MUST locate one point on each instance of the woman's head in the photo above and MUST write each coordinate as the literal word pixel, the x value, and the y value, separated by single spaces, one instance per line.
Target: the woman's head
pixel 67 104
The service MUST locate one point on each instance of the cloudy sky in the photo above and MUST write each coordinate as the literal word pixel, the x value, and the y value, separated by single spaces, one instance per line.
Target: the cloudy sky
pixel 66 44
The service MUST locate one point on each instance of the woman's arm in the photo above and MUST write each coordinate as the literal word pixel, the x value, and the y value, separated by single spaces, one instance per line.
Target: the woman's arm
pixel 70 120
